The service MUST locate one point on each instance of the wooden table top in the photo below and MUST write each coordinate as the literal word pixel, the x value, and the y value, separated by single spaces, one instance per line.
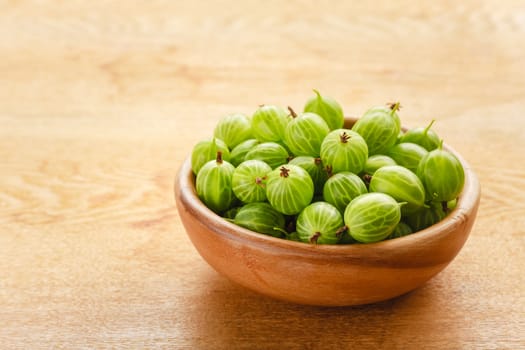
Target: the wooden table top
pixel 101 102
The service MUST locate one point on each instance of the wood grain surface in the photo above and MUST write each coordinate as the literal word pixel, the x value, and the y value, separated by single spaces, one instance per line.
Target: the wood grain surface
pixel 101 101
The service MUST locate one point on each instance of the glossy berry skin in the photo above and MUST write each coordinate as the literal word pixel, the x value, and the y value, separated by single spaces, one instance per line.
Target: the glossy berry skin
pixel 320 223
pixel 344 150
pixel 289 189
pixel 249 181
pixel 214 184
pixel 305 133
pixel 261 217
pixel 269 123
pixel 238 154
pixel 401 184
pixel 327 108
pixel 341 188
pixel 425 137
pixel 315 168
pixel 380 128
pixel 271 153
pixel 442 175
pixel 233 129
pixel 372 217
pixel 377 161
pixel 407 154
pixel 206 150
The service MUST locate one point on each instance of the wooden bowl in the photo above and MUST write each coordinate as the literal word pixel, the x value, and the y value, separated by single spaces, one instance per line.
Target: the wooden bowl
pixel 330 275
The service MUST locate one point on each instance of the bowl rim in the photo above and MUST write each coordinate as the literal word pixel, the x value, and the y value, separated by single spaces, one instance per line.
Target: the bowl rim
pixel 467 203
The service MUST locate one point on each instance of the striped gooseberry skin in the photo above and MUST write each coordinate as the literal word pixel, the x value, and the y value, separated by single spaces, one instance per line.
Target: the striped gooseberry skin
pixel 327 108
pixel 305 133
pixel 261 217
pixel 233 129
pixel 269 123
pixel 344 150
pixel 401 184
pixel 377 161
pixel 401 229
pixel 372 217
pixel 442 175
pixel 214 184
pixel 341 188
pixel 320 223
pixel 407 154
pixel 271 153
pixel 238 154
pixel 315 168
pixel 380 129
pixel 249 181
pixel 206 150
pixel 289 189
pixel 423 136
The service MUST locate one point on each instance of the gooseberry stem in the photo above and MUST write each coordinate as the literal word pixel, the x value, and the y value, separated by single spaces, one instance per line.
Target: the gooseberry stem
pixel 317 161
pixel 428 127
pixel 315 237
pixel 367 178
pixel 329 170
pixel 319 98
pixel 219 157
pixel 340 231
pixel 292 112
pixel 345 137
pixel 394 106
pixel 284 171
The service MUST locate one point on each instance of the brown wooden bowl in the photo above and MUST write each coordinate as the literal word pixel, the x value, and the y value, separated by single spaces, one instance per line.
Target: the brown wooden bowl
pixel 331 275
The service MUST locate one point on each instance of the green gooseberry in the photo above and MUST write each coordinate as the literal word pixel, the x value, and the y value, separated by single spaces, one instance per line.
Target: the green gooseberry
pixel 407 154
pixel 401 184
pixel 372 217
pixel 442 175
pixel 341 188
pixel 238 154
pixel 426 216
pixel 327 108
pixel 271 153
pixel 289 189
pixel 248 181
pixel 305 133
pixel 234 129
pixel 344 150
pixel 402 229
pixel 320 223
pixel 269 123
pixel 425 137
pixel 315 168
pixel 230 213
pixel 377 161
pixel 261 217
pixel 379 127
pixel 214 184
pixel 206 150
pixel 292 236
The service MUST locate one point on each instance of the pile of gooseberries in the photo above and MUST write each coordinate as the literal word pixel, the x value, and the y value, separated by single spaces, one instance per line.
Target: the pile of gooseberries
pixel 307 178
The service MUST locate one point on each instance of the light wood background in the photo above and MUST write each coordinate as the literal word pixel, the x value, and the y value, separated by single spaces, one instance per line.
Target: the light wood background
pixel 100 101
